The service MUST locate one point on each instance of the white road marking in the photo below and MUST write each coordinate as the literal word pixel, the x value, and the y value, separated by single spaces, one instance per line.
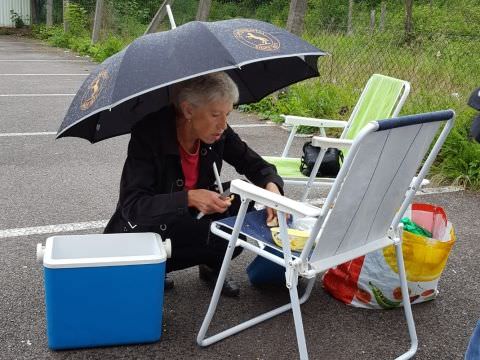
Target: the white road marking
pixel 77 74
pixel 19 42
pixel 28 134
pixel 44 60
pixel 439 190
pixel 52 229
pixel 252 125
pixel 54 133
pixel 34 95
pixel 425 191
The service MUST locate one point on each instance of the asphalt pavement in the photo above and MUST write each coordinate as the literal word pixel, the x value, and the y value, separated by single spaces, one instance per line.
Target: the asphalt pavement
pixel 48 182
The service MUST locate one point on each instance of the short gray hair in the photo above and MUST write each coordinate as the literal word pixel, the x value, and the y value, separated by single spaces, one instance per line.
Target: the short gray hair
pixel 205 88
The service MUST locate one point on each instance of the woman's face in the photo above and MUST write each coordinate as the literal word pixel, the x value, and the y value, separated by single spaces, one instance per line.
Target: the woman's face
pixel 210 120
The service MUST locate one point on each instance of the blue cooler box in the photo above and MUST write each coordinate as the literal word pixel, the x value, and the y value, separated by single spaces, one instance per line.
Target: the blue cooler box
pixel 103 289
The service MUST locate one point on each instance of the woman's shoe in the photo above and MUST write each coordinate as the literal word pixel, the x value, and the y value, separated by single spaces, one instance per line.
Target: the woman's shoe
pixel 209 275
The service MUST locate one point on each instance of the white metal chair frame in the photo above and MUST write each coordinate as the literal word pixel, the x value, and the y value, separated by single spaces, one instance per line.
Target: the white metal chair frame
pixel 296 121
pixel 309 264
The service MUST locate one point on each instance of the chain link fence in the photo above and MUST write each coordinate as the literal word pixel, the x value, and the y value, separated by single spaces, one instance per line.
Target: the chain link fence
pixel 440 67
pixel 440 60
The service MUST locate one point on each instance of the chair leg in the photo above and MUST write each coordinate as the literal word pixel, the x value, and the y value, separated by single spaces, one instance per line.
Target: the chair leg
pixel 297 318
pixel 406 304
pixel 202 341
pixel 222 274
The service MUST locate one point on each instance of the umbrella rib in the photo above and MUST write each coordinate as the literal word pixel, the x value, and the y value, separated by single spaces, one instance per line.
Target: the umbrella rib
pixel 232 60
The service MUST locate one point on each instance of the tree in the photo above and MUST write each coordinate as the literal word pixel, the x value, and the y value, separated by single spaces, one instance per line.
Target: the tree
pixel 408 19
pixel 203 10
pixel 33 12
pixel 296 16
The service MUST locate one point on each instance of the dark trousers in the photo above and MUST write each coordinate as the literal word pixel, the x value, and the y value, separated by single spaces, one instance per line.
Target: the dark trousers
pixel 194 244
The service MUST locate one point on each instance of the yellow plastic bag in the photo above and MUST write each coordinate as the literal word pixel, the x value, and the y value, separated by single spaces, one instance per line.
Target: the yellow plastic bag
pixel 372 281
pixel 424 257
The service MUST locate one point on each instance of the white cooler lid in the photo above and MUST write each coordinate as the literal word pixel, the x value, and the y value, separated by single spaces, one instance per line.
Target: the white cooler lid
pixel 93 250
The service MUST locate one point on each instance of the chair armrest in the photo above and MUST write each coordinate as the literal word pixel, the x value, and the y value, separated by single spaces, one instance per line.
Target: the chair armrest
pixel 272 200
pixel 326 142
pixel 300 120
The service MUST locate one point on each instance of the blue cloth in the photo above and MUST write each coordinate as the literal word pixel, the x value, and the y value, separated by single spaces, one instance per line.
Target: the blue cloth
pixel 255 226
pixel 260 271
pixel 473 350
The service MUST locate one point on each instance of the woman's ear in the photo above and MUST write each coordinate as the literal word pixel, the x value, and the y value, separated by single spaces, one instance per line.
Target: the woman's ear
pixel 187 109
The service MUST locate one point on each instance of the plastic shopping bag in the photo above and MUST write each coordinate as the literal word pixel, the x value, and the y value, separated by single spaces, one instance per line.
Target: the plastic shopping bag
pixel 372 281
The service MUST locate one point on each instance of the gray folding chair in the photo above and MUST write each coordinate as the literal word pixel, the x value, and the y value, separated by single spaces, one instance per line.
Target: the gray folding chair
pixel 361 214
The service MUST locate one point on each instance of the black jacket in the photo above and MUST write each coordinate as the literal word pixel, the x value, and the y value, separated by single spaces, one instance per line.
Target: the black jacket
pixel 152 191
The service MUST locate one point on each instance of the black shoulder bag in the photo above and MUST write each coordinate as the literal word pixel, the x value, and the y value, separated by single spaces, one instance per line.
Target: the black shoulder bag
pixel 330 165
pixel 474 102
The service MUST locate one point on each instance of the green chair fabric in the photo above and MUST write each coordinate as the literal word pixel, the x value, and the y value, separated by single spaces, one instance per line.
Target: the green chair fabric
pixel 379 100
pixel 287 167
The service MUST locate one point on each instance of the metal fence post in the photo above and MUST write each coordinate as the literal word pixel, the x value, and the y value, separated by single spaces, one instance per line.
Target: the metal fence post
pixel 383 13
pixel 372 21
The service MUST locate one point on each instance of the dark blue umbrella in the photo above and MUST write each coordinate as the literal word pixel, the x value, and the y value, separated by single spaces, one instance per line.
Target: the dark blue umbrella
pixel 261 58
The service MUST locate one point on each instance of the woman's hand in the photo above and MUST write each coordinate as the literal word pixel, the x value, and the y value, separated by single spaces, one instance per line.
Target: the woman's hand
pixel 272 214
pixel 207 202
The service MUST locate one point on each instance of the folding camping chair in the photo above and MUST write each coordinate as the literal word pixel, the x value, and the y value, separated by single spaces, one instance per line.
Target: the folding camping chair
pixel 382 98
pixel 361 214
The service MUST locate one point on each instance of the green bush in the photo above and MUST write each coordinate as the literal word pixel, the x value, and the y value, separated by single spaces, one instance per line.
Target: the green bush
pixel 274 11
pixel 107 48
pixel 16 19
pixel 77 19
pixel 440 61
pixel 309 98
pixel 325 14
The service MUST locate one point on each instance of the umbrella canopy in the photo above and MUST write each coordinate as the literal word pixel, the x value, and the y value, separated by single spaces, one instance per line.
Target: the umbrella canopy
pixel 261 58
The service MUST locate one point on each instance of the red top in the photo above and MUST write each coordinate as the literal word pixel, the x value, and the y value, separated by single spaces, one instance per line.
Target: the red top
pixel 190 165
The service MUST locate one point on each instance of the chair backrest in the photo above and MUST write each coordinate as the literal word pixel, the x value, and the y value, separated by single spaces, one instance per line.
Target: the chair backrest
pixel 369 193
pixel 382 98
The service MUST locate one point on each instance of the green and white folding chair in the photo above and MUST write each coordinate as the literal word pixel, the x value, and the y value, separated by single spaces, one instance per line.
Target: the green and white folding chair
pixel 361 214
pixel 382 98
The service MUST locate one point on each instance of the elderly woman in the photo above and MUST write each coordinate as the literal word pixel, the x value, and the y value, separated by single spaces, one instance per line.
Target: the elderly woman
pixel 168 176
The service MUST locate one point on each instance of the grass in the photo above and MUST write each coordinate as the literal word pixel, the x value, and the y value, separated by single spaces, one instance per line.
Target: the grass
pixel 440 62
pixel 440 70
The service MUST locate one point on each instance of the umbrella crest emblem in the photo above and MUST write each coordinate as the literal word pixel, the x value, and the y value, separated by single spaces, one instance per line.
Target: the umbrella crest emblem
pixel 257 39
pixel 95 88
